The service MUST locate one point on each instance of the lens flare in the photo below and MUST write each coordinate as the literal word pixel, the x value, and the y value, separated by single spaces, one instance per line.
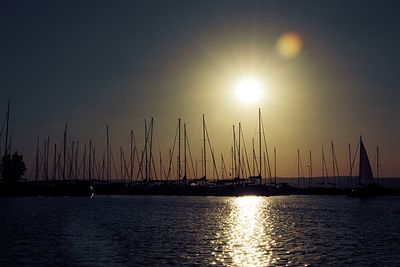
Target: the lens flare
pixel 289 45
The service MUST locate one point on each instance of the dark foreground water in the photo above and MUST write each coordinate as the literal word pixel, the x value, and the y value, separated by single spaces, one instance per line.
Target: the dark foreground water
pixel 200 231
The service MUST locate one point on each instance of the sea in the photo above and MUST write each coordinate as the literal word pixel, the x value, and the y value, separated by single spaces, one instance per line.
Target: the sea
pixel 200 231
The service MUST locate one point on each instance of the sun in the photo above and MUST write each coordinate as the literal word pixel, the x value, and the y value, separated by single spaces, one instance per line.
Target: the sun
pixel 249 90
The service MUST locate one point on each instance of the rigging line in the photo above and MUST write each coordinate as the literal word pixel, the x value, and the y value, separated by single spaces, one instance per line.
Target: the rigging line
pixel 103 165
pixel 212 152
pixel 243 170
pixel 96 165
pixel 151 147
pixel 42 161
pixel 154 167
pixel 70 159
pixel 115 166
pixel 3 126
pixel 81 163
pixel 57 168
pixel 223 167
pixel 354 159
pixel 135 152
pixel 266 149
pixel 191 158
pixel 156 142
pixel 172 154
pixel 144 151
pixel 162 166
pixel 126 174
pixel 245 152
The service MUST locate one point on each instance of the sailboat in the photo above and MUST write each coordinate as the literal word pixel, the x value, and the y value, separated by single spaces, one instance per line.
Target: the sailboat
pixel 367 186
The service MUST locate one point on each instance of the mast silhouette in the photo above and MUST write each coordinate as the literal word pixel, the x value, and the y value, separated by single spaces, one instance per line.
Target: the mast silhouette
pixel 310 173
pixel 234 152
pixel 64 151
pixel 131 158
pixel 275 165
pixel 184 150
pixel 259 140
pixel 151 148
pixel 108 160
pixel 298 168
pixel 7 125
pixel 179 149
pixel 239 157
pixel 377 163
pixel 204 149
pixel 47 157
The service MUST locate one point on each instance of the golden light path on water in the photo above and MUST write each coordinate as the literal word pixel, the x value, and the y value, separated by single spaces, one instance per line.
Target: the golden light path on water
pixel 247 234
pixel 248 238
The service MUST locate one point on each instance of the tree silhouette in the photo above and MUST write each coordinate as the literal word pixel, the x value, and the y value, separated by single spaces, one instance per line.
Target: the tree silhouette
pixel 12 167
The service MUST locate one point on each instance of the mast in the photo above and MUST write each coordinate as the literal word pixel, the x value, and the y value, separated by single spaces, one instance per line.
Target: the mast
pixel 350 165
pixel 335 167
pixel 65 150
pixel 90 160
pixel 170 163
pixel 108 160
pixel 259 138
pixel 76 160
pixel 184 148
pixel 310 177
pixel 298 168
pixel 7 125
pixel 160 165
pixel 37 160
pixel 84 163
pixel 215 171
pixel 223 166
pixel 377 163
pixel 54 162
pixel 95 165
pixel 265 167
pixel 275 164
pixel 204 148
pixel 234 151
pixel 151 146
pixel 232 162
pixel 47 157
pixel 239 163
pixel 71 160
pixel 268 164
pixel 179 149
pixel 131 157
pixel 360 166
pixel 323 167
pixel 333 163
pixel 145 147
pixel 120 163
pixel 253 161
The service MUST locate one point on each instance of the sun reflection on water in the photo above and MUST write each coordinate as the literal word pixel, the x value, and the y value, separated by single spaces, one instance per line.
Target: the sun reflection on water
pixel 245 239
pixel 248 240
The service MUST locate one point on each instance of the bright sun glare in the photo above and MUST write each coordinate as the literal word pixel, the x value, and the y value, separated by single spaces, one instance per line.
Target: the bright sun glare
pixel 249 90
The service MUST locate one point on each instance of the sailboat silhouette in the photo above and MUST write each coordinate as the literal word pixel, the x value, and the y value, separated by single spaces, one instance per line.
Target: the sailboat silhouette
pixel 367 186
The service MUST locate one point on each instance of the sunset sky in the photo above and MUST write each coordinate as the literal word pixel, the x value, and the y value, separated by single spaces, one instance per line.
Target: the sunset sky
pixel 92 63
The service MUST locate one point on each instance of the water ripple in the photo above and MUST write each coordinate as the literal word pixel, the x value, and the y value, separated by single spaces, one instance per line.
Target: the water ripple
pixel 200 231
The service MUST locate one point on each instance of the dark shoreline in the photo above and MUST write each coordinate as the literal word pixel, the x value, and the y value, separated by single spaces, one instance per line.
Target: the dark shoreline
pixel 86 188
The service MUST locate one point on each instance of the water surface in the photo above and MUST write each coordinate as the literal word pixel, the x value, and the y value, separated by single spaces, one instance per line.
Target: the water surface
pixel 200 231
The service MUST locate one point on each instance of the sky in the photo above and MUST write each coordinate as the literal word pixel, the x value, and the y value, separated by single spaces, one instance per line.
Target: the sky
pixel 93 63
